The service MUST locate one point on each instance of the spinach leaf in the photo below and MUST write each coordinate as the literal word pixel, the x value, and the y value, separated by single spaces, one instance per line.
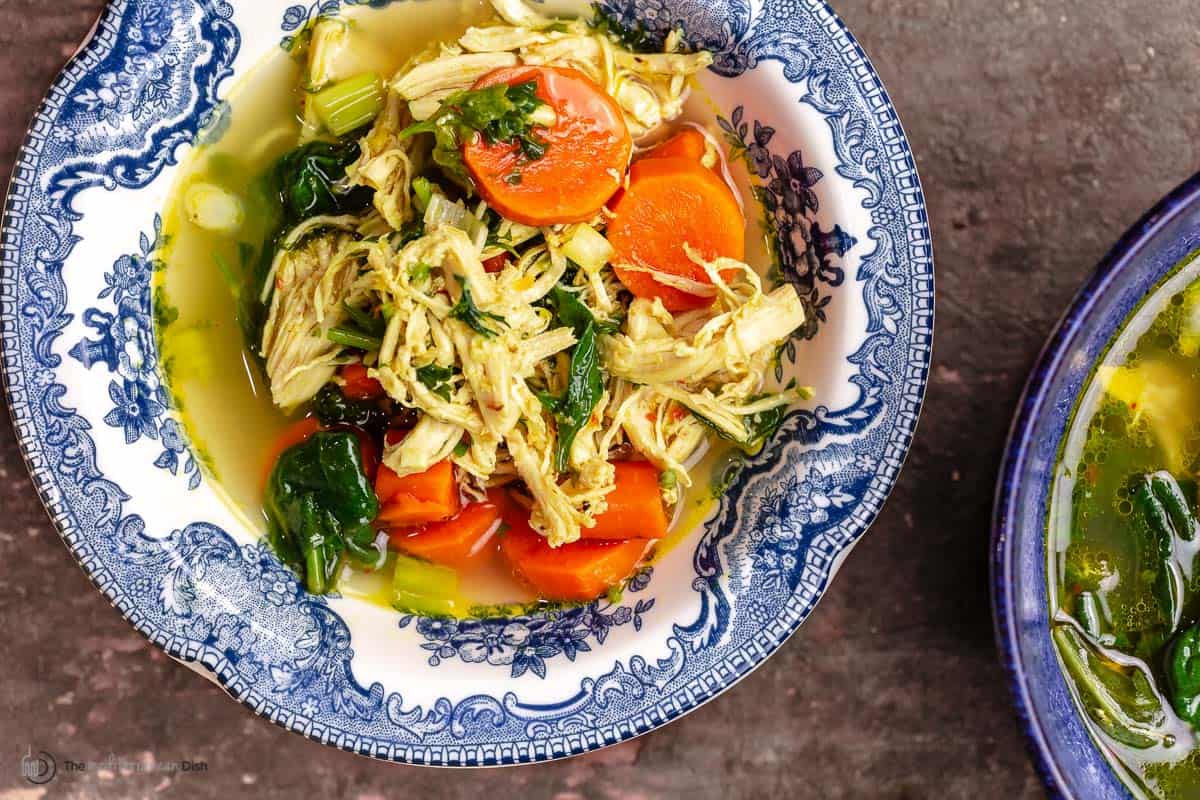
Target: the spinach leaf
pixel 636 38
pixel 585 384
pixel 437 378
pixel 310 180
pixel 760 426
pixel 1169 588
pixel 500 114
pixel 1119 698
pixel 320 506
pixel 572 313
pixel 332 407
pixel 1183 674
pixel 466 311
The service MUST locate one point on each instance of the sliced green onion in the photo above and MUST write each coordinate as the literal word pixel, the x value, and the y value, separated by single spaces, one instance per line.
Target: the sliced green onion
pixel 588 248
pixel 375 326
pixel 231 280
pixel 352 338
pixel 349 104
pixel 422 192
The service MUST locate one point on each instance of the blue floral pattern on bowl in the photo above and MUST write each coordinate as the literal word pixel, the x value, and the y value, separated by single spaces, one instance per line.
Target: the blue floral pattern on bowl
pixel 84 383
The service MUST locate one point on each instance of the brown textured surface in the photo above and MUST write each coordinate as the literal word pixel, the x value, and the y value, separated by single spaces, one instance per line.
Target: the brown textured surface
pixel 1042 129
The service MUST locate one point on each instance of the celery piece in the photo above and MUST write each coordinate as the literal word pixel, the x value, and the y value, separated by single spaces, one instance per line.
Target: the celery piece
pixel 422 194
pixel 349 104
pixel 424 587
pixel 588 248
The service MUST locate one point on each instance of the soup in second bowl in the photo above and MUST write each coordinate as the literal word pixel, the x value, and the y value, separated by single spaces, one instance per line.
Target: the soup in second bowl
pixel 1123 540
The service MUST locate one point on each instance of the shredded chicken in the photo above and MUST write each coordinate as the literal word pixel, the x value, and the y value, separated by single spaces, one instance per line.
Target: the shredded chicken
pixel 480 354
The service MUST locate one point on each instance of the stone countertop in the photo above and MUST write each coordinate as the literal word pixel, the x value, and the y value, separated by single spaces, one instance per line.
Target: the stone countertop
pixel 1042 130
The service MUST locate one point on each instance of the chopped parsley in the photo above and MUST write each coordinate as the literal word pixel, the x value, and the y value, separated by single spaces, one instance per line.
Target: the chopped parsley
pixel 437 379
pixel 500 114
pixel 466 311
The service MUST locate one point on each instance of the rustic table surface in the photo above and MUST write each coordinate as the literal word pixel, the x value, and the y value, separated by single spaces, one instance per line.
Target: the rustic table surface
pixel 1042 129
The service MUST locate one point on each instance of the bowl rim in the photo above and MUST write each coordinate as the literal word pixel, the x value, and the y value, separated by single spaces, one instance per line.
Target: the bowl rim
pixel 105 25
pixel 1121 257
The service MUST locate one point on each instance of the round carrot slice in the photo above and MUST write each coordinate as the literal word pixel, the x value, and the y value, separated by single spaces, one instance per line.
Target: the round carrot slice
pixel 587 150
pixel 669 202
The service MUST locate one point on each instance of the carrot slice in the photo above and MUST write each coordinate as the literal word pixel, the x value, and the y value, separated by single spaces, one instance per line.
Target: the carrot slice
pixel 357 385
pixel 635 507
pixel 587 150
pixel 427 496
pixel 579 571
pixel 292 435
pixel 669 202
pixel 455 542
pixel 688 143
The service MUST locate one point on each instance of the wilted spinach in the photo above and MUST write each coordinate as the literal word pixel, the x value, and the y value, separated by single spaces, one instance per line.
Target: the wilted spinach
pixel 466 311
pixel 436 378
pixel 760 426
pixel 1183 674
pixel 1120 699
pixel 636 37
pixel 311 180
pixel 332 407
pixel 572 312
pixel 320 506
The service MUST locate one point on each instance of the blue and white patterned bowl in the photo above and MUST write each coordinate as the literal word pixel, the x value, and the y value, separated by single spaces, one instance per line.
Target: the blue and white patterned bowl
pixel 801 107
pixel 1067 757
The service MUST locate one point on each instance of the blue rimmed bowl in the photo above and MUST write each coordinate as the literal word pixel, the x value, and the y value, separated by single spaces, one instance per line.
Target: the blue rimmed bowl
pixel 806 119
pixel 1068 759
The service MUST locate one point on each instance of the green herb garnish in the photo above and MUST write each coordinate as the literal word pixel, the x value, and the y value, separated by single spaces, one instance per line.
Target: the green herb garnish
pixel 466 311
pixel 500 114
pixel 585 384
pixel 437 379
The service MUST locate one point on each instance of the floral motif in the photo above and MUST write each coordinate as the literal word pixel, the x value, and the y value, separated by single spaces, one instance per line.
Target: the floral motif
pixel 297 18
pixel 804 254
pixel 788 514
pixel 525 642
pixel 126 346
pixel 142 86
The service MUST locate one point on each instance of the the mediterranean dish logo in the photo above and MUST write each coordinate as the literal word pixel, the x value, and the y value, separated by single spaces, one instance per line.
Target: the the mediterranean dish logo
pixel 40 767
